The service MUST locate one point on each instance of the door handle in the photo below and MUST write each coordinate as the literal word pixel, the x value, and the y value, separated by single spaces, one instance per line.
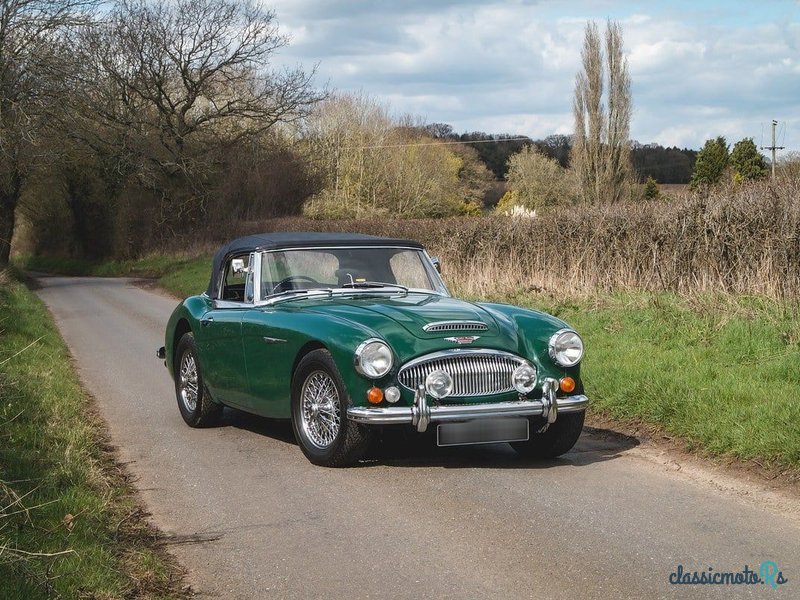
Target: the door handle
pixel 206 321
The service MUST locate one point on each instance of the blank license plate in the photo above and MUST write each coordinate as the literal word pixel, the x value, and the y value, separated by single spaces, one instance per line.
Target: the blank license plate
pixel 482 431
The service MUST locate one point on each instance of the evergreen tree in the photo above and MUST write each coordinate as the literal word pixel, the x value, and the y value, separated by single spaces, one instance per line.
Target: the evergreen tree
pixel 712 160
pixel 651 189
pixel 746 160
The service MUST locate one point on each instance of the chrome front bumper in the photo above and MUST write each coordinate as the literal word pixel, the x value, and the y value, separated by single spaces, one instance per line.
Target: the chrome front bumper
pixel 422 413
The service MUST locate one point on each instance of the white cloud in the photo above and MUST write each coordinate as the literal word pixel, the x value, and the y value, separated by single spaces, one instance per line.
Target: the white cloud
pixel 699 69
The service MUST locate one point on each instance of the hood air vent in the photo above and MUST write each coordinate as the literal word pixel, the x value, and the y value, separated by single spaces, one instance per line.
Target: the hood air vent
pixel 449 326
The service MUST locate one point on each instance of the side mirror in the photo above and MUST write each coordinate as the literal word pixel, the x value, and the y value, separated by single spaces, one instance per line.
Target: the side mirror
pixel 437 264
pixel 238 268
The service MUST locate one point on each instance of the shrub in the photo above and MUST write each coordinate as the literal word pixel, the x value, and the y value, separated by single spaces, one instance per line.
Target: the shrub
pixel 537 181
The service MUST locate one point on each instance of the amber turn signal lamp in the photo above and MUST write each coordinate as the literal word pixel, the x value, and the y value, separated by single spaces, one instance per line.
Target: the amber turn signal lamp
pixel 375 395
pixel 567 385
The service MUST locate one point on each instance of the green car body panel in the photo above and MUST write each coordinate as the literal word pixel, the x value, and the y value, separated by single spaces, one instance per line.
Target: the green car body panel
pixel 248 354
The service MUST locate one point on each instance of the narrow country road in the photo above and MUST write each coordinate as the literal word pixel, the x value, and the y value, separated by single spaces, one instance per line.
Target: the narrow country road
pixel 251 518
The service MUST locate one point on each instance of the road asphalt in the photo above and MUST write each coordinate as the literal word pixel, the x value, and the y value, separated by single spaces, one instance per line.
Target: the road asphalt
pixel 250 517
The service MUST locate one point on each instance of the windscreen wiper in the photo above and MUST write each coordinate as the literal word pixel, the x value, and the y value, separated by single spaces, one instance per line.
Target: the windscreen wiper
pixel 298 294
pixel 374 284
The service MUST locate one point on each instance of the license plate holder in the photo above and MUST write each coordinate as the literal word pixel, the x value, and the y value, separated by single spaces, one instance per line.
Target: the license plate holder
pixel 483 431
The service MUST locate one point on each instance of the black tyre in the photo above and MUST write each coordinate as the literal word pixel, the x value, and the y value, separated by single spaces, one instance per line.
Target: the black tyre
pixel 194 402
pixel 558 439
pixel 319 414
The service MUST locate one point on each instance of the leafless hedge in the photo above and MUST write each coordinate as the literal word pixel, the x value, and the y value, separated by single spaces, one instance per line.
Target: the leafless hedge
pixel 743 240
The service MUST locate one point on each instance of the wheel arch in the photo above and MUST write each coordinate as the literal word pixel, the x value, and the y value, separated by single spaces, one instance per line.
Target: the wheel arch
pixel 307 348
pixel 182 327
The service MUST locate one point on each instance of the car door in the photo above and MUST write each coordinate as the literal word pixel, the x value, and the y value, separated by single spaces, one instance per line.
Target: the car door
pixel 269 332
pixel 270 348
pixel 220 340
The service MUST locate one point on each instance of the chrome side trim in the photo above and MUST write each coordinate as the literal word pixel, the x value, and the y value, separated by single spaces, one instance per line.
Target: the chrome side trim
pixel 272 340
pixel 398 415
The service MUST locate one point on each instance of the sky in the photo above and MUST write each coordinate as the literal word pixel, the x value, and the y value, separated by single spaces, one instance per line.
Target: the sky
pixel 699 68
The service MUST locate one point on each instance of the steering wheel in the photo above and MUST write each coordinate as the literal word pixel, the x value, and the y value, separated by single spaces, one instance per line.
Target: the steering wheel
pixel 291 278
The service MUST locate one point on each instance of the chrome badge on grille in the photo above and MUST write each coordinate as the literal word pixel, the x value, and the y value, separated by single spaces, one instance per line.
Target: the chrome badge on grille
pixel 463 339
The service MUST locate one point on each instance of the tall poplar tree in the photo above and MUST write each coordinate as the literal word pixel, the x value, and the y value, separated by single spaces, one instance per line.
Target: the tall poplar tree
pixel 602 108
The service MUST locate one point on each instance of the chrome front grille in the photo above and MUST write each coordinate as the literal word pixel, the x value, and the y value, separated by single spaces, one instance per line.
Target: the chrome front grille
pixel 474 372
pixel 455 326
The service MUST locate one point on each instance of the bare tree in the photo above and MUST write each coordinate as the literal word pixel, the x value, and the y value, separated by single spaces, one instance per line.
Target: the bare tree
pixel 170 85
pixel 600 151
pixel 34 62
pixel 373 164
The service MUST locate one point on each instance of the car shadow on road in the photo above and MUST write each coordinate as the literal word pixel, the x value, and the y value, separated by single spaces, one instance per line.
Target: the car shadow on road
pixel 405 448
pixel 409 449
pixel 277 429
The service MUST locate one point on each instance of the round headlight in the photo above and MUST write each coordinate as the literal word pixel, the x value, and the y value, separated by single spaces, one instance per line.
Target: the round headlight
pixel 439 384
pixel 566 348
pixel 373 359
pixel 524 378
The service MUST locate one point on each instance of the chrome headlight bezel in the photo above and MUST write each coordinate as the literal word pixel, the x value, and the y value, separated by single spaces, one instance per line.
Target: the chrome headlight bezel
pixel 556 349
pixel 366 352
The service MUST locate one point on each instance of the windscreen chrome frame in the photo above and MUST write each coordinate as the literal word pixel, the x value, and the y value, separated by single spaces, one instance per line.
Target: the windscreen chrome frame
pixel 427 264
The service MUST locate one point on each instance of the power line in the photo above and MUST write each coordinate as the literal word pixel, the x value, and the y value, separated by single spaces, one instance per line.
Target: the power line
pixel 439 143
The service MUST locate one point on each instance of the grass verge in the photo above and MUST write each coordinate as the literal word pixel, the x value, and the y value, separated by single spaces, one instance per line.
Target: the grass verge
pixel 70 523
pixel 719 372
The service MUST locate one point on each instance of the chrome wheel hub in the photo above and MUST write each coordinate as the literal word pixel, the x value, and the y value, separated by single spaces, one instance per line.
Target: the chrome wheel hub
pixel 188 382
pixel 320 414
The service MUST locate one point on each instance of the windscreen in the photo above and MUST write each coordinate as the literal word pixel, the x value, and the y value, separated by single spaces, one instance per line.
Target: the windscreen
pixel 356 268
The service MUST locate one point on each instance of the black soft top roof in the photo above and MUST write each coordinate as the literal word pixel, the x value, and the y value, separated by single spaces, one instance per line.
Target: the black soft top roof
pixel 304 239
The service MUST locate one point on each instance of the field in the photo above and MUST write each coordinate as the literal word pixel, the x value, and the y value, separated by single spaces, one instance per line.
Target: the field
pixel 70 523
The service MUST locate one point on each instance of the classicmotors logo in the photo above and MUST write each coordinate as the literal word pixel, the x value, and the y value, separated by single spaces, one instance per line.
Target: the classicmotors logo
pixel 768 574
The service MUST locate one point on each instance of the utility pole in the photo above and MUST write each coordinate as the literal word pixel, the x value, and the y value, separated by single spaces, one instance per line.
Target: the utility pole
pixel 773 147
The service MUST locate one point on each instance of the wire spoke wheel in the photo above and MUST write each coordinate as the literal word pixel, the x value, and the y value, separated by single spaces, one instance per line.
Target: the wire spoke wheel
pixel 319 414
pixel 188 382
pixel 194 402
pixel 320 411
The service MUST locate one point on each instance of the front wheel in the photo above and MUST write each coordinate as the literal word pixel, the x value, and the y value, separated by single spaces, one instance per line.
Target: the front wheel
pixel 197 408
pixel 557 439
pixel 319 414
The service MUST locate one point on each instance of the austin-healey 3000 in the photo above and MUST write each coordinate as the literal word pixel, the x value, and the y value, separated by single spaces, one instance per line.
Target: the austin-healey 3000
pixel 345 334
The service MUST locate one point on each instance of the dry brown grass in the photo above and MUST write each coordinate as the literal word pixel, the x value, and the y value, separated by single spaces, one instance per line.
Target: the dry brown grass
pixel 741 239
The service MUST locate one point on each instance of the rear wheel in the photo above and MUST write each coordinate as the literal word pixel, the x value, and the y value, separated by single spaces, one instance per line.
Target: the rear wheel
pixel 557 439
pixel 194 403
pixel 319 414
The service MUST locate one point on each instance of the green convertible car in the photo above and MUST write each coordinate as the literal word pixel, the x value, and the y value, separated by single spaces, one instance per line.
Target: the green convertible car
pixel 346 334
